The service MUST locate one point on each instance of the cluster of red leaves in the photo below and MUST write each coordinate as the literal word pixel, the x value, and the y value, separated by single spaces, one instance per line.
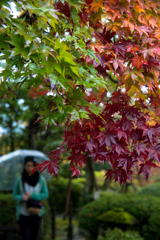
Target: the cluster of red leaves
pixel 34 93
pixel 127 44
pixel 120 136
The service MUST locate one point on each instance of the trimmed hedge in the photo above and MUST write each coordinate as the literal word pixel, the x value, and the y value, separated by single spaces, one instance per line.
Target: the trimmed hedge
pixel 117 216
pixel 58 192
pixel 152 190
pixel 7 209
pixel 146 209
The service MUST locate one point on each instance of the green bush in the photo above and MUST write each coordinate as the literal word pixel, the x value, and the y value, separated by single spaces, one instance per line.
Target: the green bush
pixel 117 216
pixel 146 209
pixel 58 192
pixel 7 210
pixel 118 234
pixel 153 190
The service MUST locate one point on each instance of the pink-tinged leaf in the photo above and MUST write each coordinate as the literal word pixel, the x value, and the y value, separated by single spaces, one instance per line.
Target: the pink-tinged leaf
pixel 115 64
pixel 75 171
pixel 125 162
pixel 154 153
pixel 119 48
pixel 107 138
pixel 119 148
pixel 145 168
pixel 140 148
pixel 91 145
pixel 121 134
pixel 150 133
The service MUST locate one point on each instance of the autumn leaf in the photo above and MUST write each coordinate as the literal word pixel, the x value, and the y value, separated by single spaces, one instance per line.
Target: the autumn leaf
pixel 75 171
pixel 51 166
pixel 145 168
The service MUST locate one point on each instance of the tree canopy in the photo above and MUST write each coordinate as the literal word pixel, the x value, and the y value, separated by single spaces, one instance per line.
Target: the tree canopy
pixel 96 64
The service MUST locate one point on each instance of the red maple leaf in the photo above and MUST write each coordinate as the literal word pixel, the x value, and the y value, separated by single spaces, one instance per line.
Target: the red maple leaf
pixel 121 134
pixel 105 36
pixel 126 124
pixel 132 113
pixel 145 168
pixel 108 138
pixel 150 132
pixel 100 155
pixel 90 145
pixel 119 148
pixel 154 153
pixel 56 154
pixel 140 148
pixel 51 166
pixel 119 175
pixel 77 158
pixel 75 171
pixel 119 48
pixel 125 162
pixel 135 135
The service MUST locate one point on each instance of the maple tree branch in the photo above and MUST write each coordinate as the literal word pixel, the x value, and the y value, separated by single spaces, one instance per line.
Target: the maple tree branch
pixel 113 80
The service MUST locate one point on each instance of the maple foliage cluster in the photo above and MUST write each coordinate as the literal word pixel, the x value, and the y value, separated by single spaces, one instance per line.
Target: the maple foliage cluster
pixel 127 45
pixel 106 46
pixel 120 136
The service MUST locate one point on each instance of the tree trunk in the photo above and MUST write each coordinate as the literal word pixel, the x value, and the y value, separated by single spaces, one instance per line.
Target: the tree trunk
pixel 68 198
pixel 11 136
pixel 33 129
pixel 90 184
pixel 139 177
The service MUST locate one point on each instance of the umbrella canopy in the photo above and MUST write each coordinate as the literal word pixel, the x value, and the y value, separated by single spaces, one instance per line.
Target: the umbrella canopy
pixel 11 166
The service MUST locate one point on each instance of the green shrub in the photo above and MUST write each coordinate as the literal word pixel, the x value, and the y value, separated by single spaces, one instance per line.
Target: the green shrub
pixel 58 192
pixel 117 216
pixel 146 209
pixel 65 173
pixel 118 234
pixel 153 190
pixel 7 210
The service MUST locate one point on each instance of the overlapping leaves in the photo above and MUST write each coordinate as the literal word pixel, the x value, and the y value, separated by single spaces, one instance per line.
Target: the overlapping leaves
pixel 112 139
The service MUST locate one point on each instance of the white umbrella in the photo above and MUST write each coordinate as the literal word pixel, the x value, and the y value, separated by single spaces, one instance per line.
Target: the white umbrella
pixel 11 166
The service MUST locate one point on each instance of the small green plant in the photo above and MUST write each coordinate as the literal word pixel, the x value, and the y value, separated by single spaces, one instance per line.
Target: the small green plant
pixel 118 234
pixel 117 216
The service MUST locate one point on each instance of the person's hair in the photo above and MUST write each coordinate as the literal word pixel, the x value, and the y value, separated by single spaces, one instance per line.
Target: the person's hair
pixel 29 159
pixel 33 179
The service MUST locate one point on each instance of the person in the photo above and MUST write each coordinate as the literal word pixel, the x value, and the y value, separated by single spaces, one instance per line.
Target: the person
pixel 29 187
